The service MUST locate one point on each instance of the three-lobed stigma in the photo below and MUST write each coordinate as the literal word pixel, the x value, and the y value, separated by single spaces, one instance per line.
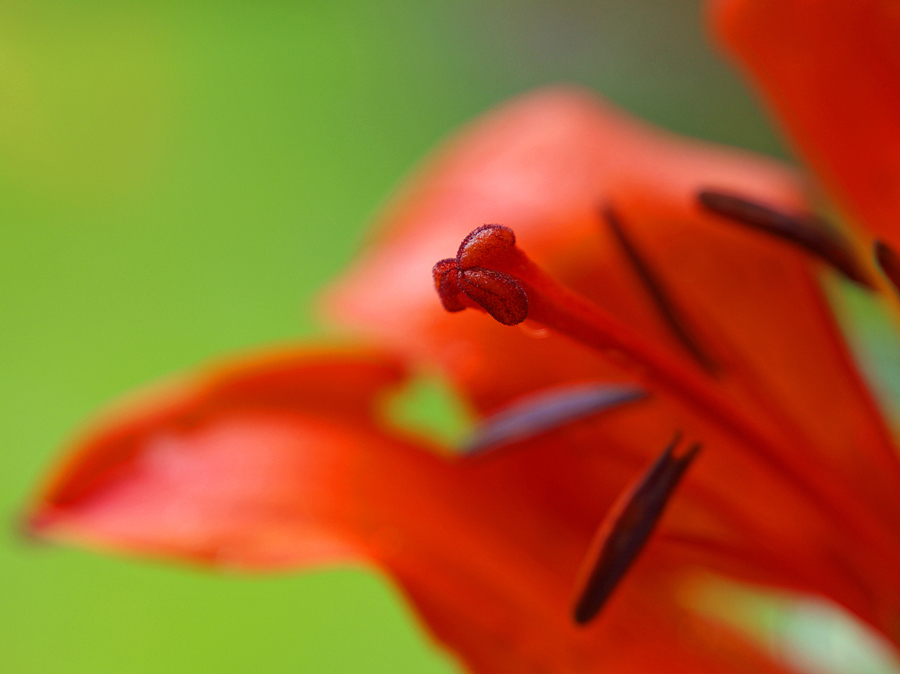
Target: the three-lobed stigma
pixel 472 278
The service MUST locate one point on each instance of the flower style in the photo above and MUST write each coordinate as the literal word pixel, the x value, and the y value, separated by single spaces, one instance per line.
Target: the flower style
pixel 660 285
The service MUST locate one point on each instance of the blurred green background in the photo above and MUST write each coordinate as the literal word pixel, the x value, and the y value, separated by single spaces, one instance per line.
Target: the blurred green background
pixel 176 181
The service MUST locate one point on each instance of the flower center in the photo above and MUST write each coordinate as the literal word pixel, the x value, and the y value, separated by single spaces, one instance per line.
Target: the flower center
pixel 492 274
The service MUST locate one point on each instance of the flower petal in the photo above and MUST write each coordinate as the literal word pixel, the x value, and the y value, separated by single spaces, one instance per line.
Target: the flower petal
pixel 215 468
pixel 830 70
pixel 280 462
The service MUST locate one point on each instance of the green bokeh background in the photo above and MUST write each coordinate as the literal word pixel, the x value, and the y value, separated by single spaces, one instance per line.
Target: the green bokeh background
pixel 176 181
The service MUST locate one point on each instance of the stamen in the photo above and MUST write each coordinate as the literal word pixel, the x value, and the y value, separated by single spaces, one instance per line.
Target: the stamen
pixel 889 262
pixel 546 411
pixel 627 527
pixel 803 230
pixel 654 286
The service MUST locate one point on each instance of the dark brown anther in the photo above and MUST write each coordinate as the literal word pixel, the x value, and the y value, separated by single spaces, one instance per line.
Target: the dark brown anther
pixel 470 276
pixel 804 230
pixel 627 527
pixel 889 262
pixel 661 298
pixel 548 410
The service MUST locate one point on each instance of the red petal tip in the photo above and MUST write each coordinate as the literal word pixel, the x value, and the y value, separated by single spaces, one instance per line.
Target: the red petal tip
pixel 34 527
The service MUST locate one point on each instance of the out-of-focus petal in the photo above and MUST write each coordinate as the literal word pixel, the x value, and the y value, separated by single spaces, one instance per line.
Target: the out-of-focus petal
pixel 218 467
pixel 830 70
pixel 281 462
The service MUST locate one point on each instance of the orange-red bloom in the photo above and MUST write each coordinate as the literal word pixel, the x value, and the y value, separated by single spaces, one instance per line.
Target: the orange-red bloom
pixel 682 274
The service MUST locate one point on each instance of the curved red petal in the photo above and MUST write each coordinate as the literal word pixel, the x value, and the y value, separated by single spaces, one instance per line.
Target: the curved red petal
pixel 279 462
pixel 830 70
pixel 219 467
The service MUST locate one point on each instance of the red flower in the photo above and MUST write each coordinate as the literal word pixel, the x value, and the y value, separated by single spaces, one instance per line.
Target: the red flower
pixel 677 280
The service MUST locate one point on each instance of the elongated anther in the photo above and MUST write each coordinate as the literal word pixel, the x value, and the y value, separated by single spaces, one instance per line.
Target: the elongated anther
pixel 549 410
pixel 889 263
pixel 804 230
pixel 656 289
pixel 627 527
